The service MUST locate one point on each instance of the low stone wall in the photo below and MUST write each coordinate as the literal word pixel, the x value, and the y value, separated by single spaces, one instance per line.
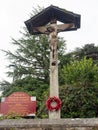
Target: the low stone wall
pixel 49 124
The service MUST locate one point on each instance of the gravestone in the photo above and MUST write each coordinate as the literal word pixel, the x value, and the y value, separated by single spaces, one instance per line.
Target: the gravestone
pixel 18 103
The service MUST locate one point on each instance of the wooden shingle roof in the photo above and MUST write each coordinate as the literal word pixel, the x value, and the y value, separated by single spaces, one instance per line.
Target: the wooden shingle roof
pixel 53 12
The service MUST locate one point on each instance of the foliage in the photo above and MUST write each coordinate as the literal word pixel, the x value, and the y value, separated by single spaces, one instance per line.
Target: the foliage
pixel 88 51
pixel 11 115
pixel 29 66
pixel 81 73
pixel 79 102
pixel 78 74
pixel 31 57
pixel 30 85
pixel 80 94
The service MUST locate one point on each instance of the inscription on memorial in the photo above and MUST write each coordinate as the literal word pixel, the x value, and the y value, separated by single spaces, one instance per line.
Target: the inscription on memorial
pixel 19 103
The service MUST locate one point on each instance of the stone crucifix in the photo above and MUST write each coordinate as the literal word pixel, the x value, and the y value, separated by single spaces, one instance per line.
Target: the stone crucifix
pixel 45 22
pixel 52 30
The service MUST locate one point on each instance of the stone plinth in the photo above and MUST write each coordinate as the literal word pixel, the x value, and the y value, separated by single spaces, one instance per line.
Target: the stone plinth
pixel 49 124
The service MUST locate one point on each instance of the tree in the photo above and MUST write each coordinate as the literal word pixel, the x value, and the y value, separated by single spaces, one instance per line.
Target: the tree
pixel 29 69
pixel 33 87
pixel 88 51
pixel 31 56
pixel 79 102
pixel 80 92
pixel 29 66
pixel 80 73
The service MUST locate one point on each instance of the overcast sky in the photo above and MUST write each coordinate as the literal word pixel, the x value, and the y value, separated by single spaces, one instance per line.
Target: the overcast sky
pixel 13 13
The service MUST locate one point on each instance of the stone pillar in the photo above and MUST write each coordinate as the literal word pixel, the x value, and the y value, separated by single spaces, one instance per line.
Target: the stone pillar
pixel 54 86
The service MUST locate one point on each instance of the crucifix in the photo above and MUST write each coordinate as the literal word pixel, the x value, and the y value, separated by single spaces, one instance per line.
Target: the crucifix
pixel 46 23
pixel 52 30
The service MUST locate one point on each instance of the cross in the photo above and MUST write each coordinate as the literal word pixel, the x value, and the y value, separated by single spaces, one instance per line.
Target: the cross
pixel 45 22
pixel 52 30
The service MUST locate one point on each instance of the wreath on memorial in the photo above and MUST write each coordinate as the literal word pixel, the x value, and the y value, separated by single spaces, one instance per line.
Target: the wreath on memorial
pixel 53 104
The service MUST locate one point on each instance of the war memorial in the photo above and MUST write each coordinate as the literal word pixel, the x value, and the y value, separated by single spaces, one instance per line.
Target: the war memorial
pixel 45 23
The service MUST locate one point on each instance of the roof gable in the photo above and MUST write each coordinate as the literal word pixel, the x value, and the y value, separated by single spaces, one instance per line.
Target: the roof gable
pixel 51 12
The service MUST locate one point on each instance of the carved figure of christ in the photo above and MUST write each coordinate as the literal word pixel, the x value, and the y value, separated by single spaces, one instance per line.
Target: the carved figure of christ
pixel 52 30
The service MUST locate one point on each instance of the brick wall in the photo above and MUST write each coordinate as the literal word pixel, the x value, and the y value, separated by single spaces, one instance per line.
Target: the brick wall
pixel 47 124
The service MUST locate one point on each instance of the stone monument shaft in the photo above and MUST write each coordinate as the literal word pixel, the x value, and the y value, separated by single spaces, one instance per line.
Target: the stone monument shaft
pixel 45 22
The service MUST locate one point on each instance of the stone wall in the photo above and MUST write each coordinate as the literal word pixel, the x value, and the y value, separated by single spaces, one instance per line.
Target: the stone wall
pixel 47 124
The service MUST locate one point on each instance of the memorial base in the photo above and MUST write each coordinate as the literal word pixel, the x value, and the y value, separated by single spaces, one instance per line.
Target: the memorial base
pixel 49 124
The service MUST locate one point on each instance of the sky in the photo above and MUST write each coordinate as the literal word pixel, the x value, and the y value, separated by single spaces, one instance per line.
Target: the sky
pixel 13 13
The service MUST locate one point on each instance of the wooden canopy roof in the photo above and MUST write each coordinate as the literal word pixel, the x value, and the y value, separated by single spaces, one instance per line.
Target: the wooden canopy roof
pixel 53 12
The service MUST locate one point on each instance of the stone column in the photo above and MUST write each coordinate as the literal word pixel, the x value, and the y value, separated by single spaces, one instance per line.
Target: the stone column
pixel 54 86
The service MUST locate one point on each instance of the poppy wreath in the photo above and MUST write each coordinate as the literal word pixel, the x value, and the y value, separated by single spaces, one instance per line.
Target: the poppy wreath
pixel 56 107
